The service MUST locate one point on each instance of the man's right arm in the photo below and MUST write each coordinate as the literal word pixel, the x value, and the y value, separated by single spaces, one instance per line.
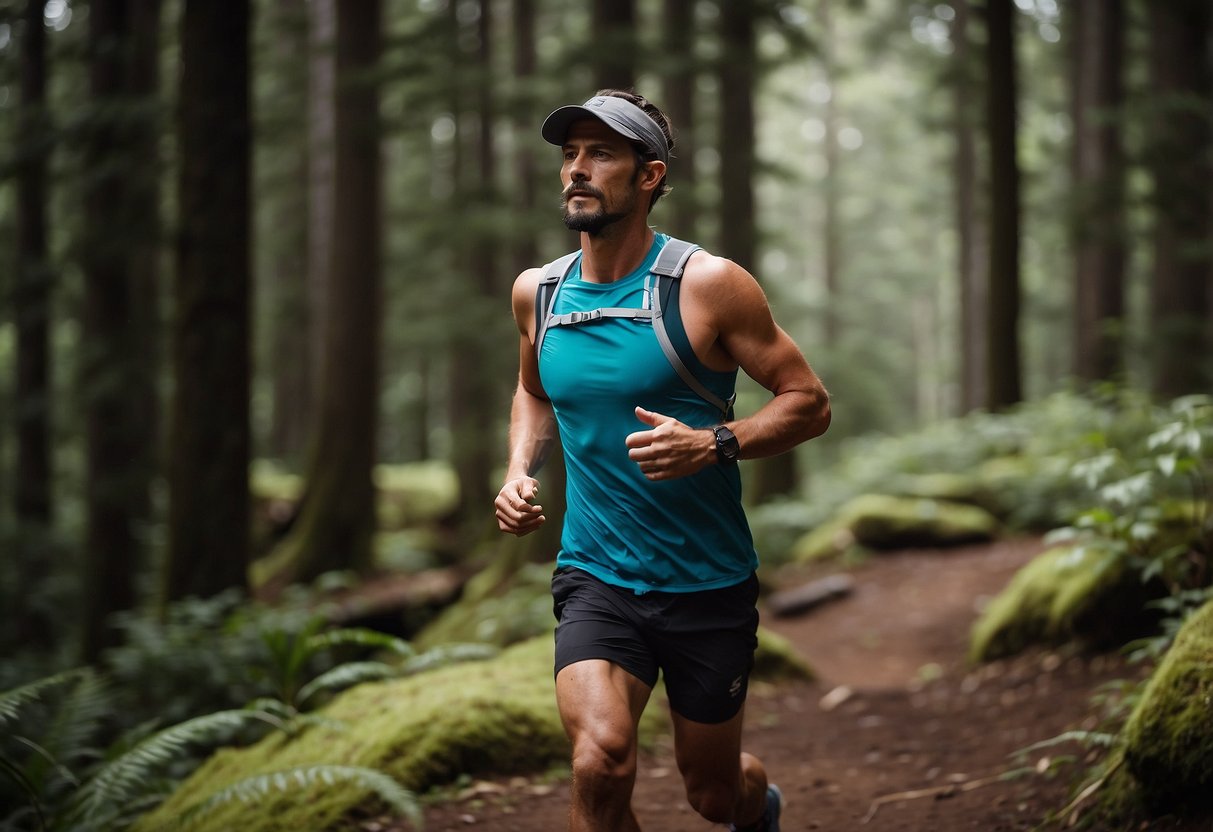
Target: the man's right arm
pixel 532 422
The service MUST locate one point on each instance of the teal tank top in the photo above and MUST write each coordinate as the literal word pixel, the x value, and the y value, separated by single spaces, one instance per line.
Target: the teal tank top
pixel 679 535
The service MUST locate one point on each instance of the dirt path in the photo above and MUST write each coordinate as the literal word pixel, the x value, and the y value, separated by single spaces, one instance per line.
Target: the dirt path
pixel 917 718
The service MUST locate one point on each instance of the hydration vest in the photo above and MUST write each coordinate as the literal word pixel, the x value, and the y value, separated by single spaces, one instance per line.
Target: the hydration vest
pixel 660 284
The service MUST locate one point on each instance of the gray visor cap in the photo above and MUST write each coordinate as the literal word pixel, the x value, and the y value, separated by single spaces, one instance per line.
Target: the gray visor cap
pixel 624 117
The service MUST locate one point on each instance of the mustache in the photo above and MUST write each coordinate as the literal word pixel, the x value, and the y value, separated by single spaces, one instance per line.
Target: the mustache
pixel 580 189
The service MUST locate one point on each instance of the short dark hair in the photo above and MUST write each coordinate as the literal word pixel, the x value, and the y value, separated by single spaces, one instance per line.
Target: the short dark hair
pixel 663 121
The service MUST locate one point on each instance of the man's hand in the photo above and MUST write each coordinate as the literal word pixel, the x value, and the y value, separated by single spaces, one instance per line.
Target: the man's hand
pixel 671 449
pixel 516 514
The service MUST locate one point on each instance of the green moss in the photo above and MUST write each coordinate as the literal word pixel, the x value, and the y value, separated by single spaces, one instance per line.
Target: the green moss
pixel 1169 735
pixel 496 717
pixel 880 521
pixel 777 660
pixel 415 492
pixel 1077 593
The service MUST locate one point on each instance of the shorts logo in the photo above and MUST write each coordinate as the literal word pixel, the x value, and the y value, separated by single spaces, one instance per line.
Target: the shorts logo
pixel 735 687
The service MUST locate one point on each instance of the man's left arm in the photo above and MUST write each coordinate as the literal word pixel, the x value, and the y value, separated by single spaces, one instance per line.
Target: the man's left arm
pixel 733 305
pixel 799 408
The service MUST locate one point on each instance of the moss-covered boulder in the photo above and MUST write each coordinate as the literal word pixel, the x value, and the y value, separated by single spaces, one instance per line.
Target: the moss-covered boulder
pixel 415 493
pixel 492 717
pixel 496 716
pixel 880 521
pixel 496 608
pixel 1083 593
pixel 1169 735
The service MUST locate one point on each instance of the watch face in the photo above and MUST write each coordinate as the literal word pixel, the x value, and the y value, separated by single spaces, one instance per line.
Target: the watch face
pixel 726 444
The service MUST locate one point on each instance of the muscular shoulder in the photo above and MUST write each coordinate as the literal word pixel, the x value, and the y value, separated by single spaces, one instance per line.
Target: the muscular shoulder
pixel 721 288
pixel 523 299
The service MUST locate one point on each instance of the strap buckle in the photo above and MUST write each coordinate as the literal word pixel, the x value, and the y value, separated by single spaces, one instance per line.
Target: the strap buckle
pixel 582 317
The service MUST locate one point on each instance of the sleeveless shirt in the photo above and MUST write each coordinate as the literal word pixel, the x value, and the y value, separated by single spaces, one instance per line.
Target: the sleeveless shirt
pixel 679 535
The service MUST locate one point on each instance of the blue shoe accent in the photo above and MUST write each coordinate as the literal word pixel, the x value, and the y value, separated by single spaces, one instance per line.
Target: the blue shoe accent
pixel 774 807
pixel 770 815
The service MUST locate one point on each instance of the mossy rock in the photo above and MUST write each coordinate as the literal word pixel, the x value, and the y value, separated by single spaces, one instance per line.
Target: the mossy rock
pixel 880 521
pixel 1083 593
pixel 415 493
pixel 497 716
pixel 1169 735
pixel 489 718
pixel 496 609
pixel 952 488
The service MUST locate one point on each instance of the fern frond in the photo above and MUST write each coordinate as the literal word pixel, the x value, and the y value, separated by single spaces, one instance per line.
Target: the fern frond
pixel 77 721
pixel 122 780
pixel 11 701
pixel 345 676
pixel 11 770
pixel 449 654
pixel 359 636
pixel 254 789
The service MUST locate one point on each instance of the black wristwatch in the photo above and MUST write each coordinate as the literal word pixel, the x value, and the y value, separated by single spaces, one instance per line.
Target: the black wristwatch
pixel 727 447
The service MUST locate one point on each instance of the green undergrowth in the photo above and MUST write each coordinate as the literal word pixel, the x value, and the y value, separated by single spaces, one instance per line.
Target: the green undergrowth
pixel 489 718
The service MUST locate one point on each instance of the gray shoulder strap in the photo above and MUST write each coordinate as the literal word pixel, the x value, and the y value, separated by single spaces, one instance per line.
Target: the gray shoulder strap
pixel 673 258
pixel 545 296
pixel 671 263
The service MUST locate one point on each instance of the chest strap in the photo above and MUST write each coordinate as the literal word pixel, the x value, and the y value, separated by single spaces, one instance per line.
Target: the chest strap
pixel 670 265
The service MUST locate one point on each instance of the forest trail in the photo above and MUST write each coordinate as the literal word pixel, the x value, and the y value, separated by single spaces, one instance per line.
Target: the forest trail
pixel 917 717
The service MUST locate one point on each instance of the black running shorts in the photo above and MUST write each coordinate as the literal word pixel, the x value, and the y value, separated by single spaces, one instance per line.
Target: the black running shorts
pixel 702 642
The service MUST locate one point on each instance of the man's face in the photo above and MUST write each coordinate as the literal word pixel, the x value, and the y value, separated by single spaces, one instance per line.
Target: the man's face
pixel 600 174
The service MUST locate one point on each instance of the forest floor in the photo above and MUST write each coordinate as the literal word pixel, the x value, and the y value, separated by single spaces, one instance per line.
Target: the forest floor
pixel 919 743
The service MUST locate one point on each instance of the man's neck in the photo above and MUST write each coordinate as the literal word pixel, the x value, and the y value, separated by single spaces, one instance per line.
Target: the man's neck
pixel 616 252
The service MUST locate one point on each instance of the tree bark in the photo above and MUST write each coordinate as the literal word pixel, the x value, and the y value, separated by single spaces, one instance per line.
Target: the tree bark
pixel 32 495
pixel 831 243
pixel 773 476
pixel 208 471
pixel 292 369
pixel 1003 359
pixel 1098 229
pixel 678 27
pixel 1179 146
pixel 320 102
pixel 119 265
pixel 336 526
pixel 476 400
pixel 613 45
pixel 969 271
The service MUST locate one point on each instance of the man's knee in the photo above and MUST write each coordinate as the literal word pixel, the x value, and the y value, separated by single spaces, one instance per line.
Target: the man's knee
pixel 604 762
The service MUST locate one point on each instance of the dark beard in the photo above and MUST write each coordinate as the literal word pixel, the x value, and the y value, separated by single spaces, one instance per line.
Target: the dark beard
pixel 591 223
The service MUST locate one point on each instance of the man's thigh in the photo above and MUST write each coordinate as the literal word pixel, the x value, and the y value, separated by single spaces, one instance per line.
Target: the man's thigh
pixel 708 754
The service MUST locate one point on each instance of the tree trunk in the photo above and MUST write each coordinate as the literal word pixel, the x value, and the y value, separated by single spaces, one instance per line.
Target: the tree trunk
pixel 831 243
pixel 1003 310
pixel 208 471
pixel 678 93
pixel 738 227
pixel 969 271
pixel 32 312
pixel 320 119
pixel 1099 182
pixel 525 59
pixel 476 400
pixel 291 367
pixel 120 288
pixel 1179 147
pixel 336 526
pixel 613 43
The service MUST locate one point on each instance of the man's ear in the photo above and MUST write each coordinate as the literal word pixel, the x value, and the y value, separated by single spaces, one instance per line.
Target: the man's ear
pixel 652 173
